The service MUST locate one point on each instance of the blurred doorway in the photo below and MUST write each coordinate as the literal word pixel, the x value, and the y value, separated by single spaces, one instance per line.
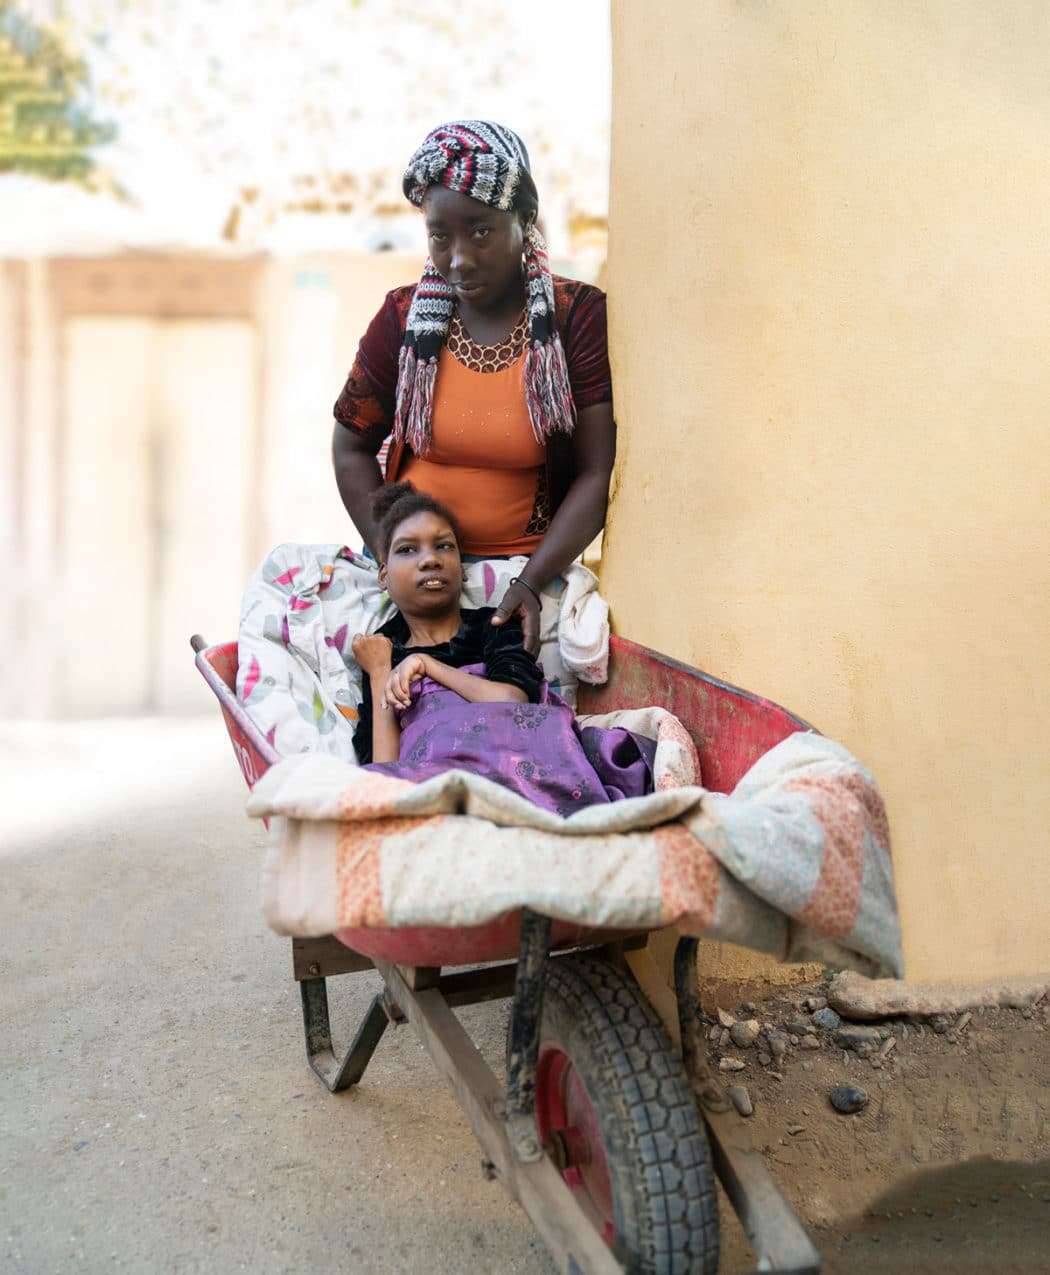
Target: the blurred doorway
pixel 156 467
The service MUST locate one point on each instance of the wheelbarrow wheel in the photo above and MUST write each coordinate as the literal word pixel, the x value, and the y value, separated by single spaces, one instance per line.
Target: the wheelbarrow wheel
pixel 616 1113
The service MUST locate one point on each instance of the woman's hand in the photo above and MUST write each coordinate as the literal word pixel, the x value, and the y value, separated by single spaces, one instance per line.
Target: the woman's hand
pixel 398 693
pixel 519 600
pixel 372 652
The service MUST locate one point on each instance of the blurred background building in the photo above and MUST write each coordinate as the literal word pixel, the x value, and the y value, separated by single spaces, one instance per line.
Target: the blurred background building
pixel 200 210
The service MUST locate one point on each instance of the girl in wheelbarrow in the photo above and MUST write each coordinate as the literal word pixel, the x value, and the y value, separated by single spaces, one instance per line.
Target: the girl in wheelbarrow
pixel 490 375
pixel 445 689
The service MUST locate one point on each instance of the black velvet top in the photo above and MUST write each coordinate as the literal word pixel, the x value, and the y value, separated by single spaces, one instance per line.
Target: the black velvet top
pixel 501 649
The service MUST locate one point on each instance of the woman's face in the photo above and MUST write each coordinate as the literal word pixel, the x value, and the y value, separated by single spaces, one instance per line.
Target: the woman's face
pixel 423 572
pixel 475 249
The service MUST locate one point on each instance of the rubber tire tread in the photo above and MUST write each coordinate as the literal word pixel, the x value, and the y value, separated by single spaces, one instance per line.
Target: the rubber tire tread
pixel 665 1202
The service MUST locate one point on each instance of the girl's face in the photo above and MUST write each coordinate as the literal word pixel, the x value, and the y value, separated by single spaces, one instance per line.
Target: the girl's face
pixel 423 572
pixel 474 248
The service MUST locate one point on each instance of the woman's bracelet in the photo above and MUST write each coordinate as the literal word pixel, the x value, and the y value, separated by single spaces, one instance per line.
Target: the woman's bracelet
pixel 519 580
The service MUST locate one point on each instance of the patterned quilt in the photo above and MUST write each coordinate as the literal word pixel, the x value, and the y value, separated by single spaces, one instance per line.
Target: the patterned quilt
pixel 795 861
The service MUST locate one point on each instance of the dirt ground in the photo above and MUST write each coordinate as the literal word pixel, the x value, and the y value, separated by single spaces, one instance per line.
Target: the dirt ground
pixel 946 1169
pixel 158 1114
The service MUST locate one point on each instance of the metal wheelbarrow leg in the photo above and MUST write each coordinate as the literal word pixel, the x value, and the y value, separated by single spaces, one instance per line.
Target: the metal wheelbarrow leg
pixel 338 1073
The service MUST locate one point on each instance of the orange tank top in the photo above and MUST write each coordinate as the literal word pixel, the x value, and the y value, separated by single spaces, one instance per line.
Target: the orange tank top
pixel 484 462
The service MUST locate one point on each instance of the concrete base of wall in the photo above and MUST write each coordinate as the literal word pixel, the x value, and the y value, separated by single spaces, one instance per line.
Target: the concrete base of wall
pixel 855 996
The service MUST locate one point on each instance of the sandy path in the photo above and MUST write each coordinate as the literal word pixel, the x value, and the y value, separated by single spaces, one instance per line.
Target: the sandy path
pixel 158 1112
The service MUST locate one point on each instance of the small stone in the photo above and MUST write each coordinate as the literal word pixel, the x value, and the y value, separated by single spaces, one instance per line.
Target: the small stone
pixel 748 1007
pixel 731 1064
pixel 793 1038
pixel 809 1042
pixel 850 1037
pixel 744 1035
pixel 714 1033
pixel 863 1051
pixel 800 1026
pixel 725 1018
pixel 963 1021
pixel 904 1031
pixel 827 1018
pixel 876 1063
pixel 813 1003
pixel 888 1045
pixel 1026 1012
pixel 951 1038
pixel 939 1023
pixel 845 1059
pixel 807 1066
pixel 724 1038
pixel 741 1099
pixel 763 1058
pixel 848 1099
pixel 795 1129
pixel 778 1045
pixel 776 1075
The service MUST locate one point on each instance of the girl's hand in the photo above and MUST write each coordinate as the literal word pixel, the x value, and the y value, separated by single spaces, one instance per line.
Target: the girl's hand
pixel 398 693
pixel 372 652
pixel 519 600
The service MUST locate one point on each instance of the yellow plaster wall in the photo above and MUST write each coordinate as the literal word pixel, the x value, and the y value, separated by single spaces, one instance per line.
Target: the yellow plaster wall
pixel 829 276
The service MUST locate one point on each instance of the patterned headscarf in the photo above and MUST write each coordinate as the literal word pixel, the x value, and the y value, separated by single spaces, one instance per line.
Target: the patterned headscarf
pixel 490 164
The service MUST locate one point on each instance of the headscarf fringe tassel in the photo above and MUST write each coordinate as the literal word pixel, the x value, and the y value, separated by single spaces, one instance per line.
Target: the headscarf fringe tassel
pixel 415 400
pixel 548 395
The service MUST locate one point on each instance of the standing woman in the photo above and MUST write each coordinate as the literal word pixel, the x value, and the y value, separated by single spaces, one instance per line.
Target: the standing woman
pixel 490 375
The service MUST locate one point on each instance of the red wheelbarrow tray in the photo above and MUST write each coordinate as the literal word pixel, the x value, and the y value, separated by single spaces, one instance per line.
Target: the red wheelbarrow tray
pixel 731 729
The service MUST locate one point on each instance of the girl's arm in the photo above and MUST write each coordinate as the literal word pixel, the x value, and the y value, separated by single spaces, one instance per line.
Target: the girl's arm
pixel 474 689
pixel 373 656
pixel 386 732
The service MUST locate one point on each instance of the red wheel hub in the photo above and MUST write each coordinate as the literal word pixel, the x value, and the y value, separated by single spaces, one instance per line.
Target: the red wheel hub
pixel 564 1114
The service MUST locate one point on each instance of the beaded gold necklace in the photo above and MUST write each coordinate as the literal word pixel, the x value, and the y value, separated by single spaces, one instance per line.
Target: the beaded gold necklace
pixel 486 358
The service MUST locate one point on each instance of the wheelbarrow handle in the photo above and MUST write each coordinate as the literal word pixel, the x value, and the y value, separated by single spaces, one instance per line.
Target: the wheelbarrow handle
pixel 198 642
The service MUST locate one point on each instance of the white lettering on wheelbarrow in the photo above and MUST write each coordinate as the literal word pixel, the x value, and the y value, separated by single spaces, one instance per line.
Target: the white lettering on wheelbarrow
pixel 247 767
